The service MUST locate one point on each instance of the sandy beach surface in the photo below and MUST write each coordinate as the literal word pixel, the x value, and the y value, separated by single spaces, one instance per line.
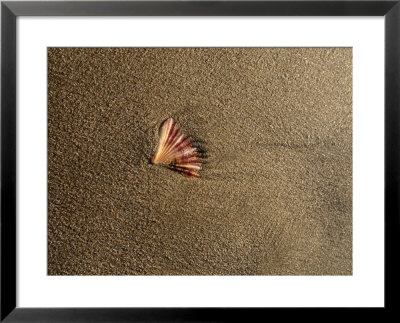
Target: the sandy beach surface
pixel 275 193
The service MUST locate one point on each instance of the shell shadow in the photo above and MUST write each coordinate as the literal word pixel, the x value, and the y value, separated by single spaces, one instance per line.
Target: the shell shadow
pixel 201 149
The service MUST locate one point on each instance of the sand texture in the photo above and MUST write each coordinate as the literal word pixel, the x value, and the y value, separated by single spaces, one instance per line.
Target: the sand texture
pixel 275 193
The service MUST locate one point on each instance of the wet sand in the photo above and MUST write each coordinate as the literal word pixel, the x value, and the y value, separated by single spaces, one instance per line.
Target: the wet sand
pixel 275 193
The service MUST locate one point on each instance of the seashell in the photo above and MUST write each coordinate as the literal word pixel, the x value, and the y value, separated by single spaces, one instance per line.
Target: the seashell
pixel 175 150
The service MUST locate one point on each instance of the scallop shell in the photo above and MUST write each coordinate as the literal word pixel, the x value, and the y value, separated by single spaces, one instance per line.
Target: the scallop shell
pixel 176 150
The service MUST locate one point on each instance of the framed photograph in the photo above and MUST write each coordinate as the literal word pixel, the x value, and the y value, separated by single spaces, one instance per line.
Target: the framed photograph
pixel 197 160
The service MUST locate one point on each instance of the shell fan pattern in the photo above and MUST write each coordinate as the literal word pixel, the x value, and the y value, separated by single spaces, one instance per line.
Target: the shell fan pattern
pixel 176 151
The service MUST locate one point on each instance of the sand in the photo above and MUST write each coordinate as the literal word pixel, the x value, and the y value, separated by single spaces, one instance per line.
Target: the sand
pixel 275 193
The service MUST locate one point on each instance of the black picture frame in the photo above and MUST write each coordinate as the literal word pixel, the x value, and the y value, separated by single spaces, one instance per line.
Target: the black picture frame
pixel 10 10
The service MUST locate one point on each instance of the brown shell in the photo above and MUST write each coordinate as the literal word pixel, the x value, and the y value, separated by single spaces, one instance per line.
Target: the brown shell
pixel 176 150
